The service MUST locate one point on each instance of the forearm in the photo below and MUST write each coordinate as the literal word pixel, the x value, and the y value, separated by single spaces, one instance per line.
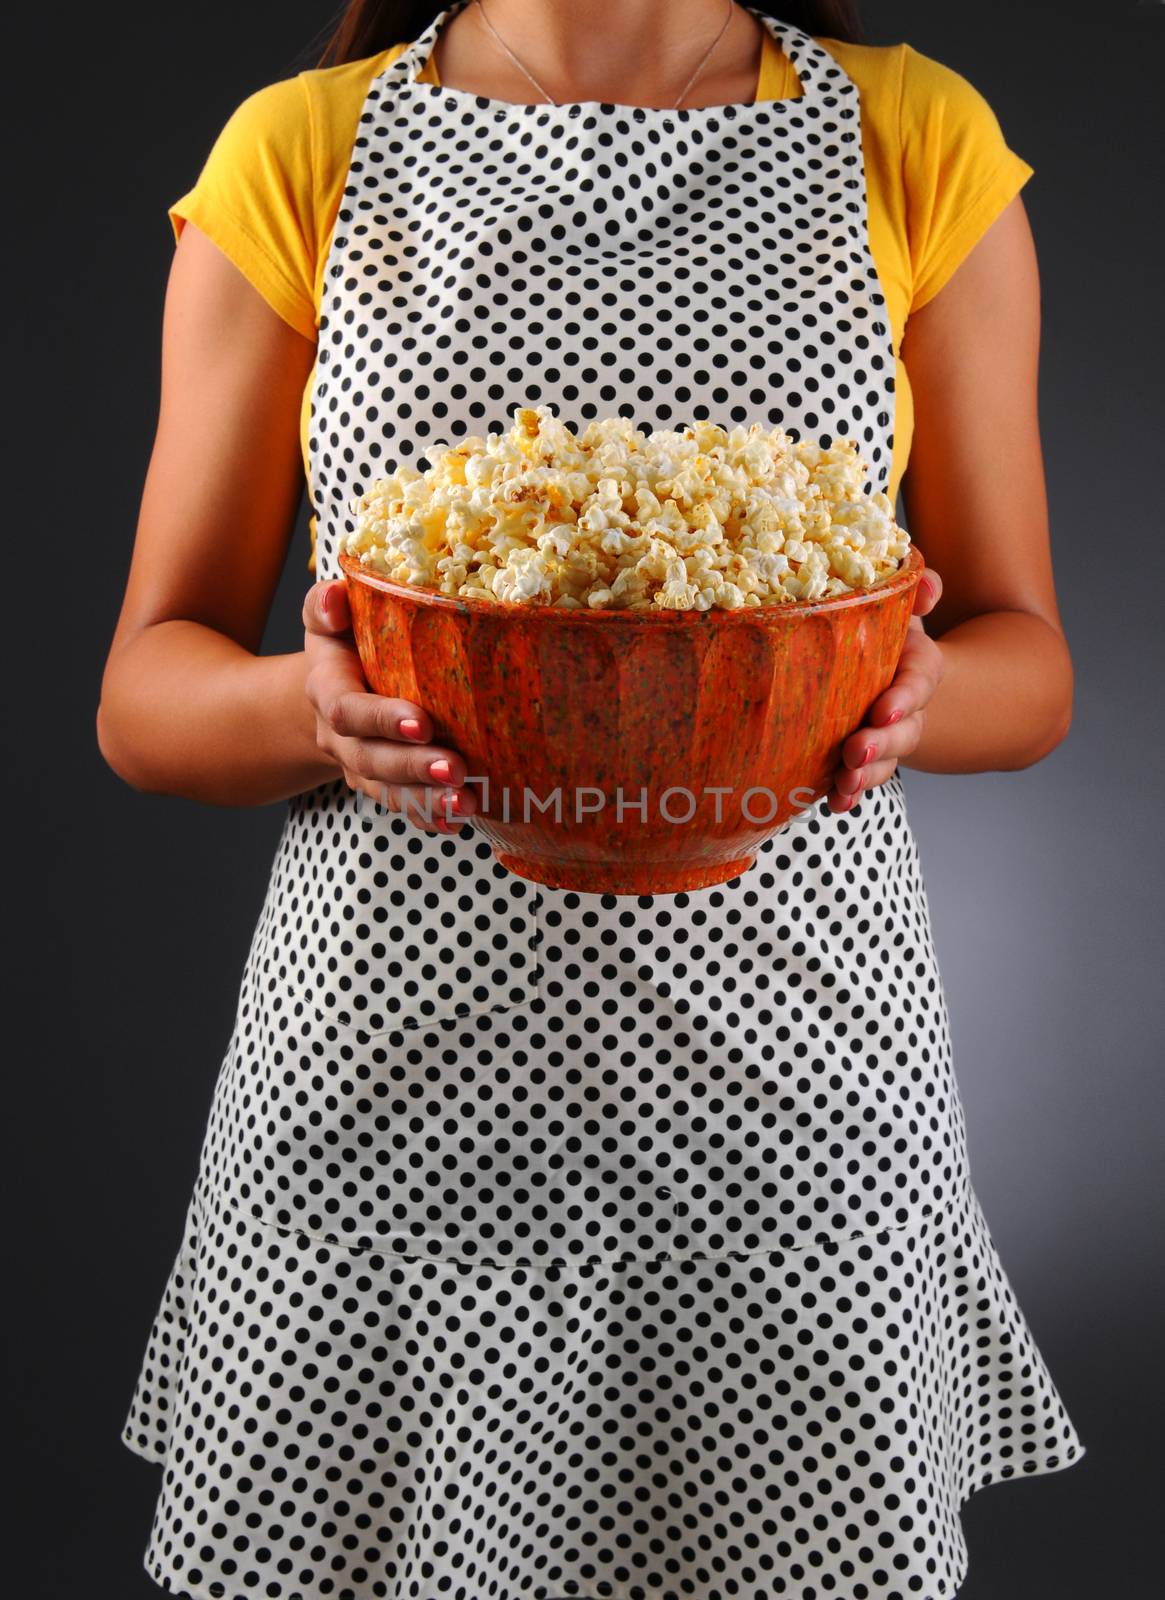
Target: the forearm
pixel 187 711
pixel 1005 697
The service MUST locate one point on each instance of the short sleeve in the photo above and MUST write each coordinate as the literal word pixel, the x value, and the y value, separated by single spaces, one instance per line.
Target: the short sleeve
pixel 958 171
pixel 255 199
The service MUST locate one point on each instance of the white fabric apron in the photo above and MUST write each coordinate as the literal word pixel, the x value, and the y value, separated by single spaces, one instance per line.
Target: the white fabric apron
pixel 633 1239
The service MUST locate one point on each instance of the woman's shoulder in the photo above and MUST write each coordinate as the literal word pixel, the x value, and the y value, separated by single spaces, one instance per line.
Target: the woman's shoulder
pixel 335 97
pixel 936 156
pixel 287 131
pixel 909 93
pixel 341 89
pixel 305 121
pixel 349 79
pixel 301 129
pixel 271 183
pixel 875 68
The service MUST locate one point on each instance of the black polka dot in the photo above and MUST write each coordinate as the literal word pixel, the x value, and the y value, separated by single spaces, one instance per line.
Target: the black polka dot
pixel 546 1244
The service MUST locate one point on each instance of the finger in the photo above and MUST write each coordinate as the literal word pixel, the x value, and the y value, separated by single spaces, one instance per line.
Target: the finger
pixel 325 608
pixel 848 780
pixel 919 654
pixel 849 785
pixel 356 714
pixel 393 761
pixel 434 809
pixel 871 744
pixel 877 773
pixel 910 692
pixel 928 591
pixel 859 749
pixel 849 789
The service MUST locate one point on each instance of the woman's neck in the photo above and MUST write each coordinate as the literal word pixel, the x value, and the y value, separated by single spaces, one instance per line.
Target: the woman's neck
pixel 625 52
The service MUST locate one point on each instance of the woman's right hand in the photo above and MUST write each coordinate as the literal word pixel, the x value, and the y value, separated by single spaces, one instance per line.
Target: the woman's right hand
pixel 380 745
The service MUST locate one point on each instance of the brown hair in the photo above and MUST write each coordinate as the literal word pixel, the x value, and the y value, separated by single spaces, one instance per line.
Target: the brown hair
pixel 366 27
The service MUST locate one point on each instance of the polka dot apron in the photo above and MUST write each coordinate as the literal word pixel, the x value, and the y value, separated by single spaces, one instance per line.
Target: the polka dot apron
pixel 548 1244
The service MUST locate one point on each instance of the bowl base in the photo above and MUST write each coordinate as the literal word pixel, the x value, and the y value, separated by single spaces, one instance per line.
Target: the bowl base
pixel 614 877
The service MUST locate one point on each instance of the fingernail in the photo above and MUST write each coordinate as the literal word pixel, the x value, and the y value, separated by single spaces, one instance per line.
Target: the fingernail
pixel 895 716
pixel 868 754
pixel 460 802
pixel 441 770
pixel 410 727
pixel 325 601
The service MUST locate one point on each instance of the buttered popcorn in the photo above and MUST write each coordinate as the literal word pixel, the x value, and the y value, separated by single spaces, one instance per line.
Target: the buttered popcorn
pixel 686 519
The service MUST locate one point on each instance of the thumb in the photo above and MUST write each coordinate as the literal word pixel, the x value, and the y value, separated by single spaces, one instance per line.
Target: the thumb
pixel 928 592
pixel 325 608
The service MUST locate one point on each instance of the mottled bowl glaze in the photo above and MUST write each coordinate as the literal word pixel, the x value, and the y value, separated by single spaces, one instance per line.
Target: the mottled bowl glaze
pixel 610 709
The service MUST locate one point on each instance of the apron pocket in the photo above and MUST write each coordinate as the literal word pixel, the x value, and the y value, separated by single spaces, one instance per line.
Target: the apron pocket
pixel 459 1142
pixel 378 925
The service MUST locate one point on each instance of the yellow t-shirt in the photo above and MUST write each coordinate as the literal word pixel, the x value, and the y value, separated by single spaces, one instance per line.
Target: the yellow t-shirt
pixel 938 174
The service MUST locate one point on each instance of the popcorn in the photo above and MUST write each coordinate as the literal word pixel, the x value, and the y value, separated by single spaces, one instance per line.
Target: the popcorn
pixel 690 519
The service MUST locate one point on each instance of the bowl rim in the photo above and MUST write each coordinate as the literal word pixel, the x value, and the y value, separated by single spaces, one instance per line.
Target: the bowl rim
pixel 906 577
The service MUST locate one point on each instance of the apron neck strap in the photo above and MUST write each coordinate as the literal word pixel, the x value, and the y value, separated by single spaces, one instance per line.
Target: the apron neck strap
pixel 413 58
pixel 822 81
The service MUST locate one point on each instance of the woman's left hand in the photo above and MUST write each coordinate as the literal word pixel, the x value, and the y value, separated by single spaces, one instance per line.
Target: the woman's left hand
pixel 894 723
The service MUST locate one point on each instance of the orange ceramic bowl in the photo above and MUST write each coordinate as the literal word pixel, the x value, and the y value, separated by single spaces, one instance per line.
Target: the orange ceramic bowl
pixel 629 752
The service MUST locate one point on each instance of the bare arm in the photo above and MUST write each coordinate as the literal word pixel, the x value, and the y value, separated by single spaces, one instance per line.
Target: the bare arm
pixel 188 706
pixel 991 687
pixel 976 503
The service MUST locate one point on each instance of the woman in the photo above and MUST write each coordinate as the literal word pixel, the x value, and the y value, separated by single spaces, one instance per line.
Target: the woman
pixel 550 1244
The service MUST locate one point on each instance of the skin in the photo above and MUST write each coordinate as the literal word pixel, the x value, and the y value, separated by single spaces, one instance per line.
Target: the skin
pixel 188 705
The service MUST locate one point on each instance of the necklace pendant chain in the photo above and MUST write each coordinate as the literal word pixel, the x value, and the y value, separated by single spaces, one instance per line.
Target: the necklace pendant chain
pixel 550 99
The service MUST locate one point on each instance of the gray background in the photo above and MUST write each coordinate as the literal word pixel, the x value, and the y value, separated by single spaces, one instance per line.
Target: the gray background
pixel 130 916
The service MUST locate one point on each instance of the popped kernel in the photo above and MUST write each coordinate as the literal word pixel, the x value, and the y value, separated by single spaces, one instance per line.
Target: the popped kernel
pixel 689 519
